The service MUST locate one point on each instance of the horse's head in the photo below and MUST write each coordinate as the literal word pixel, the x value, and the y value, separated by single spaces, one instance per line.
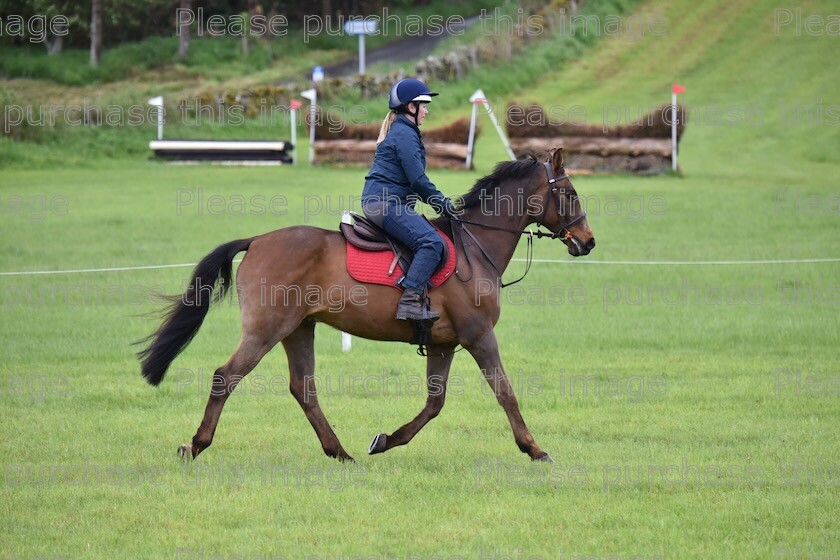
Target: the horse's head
pixel 562 212
pixel 525 191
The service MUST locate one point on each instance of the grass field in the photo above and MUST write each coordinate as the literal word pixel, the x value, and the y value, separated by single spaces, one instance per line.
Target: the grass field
pixel 691 409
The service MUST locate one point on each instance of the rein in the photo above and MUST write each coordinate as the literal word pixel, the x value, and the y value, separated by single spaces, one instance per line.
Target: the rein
pixel 530 253
pixel 562 233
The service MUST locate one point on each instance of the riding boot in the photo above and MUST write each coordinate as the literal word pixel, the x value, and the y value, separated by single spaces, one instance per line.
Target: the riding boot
pixel 412 307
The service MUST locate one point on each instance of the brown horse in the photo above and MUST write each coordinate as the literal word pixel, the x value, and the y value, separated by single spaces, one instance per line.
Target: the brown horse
pixel 310 262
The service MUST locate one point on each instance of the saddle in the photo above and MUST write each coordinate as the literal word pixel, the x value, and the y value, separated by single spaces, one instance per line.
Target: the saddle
pixel 367 237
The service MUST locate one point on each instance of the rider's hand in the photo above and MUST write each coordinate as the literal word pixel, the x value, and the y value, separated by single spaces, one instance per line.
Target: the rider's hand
pixel 448 209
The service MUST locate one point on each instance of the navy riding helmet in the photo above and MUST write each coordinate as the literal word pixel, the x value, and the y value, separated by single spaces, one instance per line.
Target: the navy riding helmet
pixel 407 90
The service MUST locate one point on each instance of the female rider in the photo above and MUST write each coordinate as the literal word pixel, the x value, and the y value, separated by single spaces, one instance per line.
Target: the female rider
pixel 397 180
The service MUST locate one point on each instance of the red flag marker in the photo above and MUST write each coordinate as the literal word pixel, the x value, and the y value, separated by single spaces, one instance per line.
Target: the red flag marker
pixel 677 88
pixel 295 104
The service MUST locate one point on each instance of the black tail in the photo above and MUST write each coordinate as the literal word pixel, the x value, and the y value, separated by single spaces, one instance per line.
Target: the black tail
pixel 186 313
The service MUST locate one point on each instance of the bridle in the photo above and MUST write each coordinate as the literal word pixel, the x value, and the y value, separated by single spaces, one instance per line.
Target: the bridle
pixel 555 195
pixel 562 233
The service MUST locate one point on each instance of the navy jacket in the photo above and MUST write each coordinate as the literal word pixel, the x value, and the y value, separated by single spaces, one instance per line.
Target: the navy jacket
pixel 399 168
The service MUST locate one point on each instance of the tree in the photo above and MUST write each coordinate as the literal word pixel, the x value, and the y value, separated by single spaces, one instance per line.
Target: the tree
pixel 184 30
pixel 255 10
pixel 95 32
pixel 55 43
pixel 59 27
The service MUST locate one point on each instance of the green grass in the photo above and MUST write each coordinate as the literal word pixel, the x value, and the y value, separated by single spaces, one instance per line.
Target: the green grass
pixel 692 364
pixel 691 367
pixel 216 67
pixel 219 57
pixel 544 57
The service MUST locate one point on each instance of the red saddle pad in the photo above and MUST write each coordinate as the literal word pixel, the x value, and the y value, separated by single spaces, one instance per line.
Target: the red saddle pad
pixel 371 267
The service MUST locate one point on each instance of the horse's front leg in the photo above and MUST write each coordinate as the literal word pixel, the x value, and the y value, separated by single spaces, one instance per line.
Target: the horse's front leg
pixel 486 353
pixel 437 372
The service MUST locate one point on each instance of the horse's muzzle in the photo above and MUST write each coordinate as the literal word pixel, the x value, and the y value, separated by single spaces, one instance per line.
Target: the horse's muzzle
pixel 578 248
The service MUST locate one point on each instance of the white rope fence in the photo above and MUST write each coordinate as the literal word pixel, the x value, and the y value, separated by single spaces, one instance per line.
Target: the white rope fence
pixel 680 263
pixel 547 261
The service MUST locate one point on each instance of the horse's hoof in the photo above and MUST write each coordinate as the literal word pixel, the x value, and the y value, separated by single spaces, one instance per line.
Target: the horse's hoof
pixel 378 444
pixel 546 458
pixel 347 459
pixel 185 452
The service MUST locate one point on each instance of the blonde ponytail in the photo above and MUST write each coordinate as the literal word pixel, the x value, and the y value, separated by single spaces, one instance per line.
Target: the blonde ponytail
pixel 386 126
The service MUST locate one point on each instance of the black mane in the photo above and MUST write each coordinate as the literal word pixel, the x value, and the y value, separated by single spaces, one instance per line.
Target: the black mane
pixel 505 170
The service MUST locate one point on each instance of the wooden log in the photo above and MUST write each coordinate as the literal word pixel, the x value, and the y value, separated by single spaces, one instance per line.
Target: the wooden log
pixel 593 145
pixel 439 149
pixel 437 162
pixel 365 160
pixel 342 145
pixel 334 129
pixel 363 150
pixel 647 164
pixel 532 122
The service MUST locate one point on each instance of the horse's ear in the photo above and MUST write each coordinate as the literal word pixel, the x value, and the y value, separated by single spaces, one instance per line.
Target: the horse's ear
pixel 557 159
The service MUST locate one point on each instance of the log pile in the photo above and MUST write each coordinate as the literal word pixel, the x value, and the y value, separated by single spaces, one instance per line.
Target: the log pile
pixel 642 147
pixel 344 144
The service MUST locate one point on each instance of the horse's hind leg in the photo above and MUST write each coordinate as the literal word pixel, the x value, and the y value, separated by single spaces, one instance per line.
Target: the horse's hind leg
pixel 300 350
pixel 437 373
pixel 244 359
